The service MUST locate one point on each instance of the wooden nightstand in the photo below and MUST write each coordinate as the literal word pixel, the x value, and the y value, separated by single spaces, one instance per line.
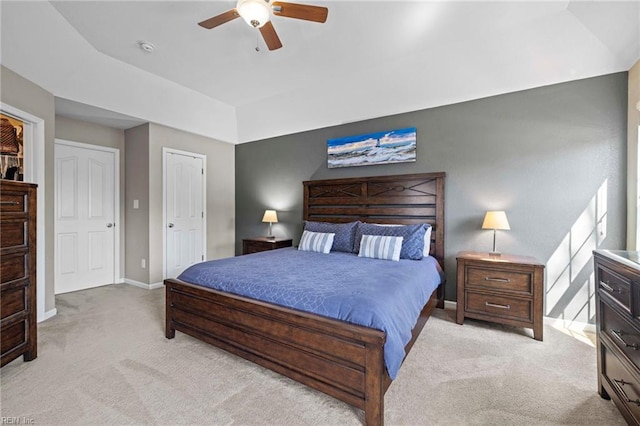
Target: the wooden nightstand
pixel 504 289
pixel 257 244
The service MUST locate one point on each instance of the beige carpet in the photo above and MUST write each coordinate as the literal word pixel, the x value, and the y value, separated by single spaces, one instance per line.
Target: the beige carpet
pixel 104 360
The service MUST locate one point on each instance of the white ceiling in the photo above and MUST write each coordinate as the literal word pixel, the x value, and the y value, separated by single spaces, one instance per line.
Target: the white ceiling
pixel 370 59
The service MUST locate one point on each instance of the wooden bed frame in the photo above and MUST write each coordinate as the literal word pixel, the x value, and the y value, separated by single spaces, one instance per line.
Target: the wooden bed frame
pixel 341 359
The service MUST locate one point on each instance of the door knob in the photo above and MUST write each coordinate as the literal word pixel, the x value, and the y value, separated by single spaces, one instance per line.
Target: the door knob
pixel 109 225
pixel 171 225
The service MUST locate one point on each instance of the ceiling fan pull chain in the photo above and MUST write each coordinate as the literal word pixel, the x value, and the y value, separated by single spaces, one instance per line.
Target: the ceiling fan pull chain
pixel 257 42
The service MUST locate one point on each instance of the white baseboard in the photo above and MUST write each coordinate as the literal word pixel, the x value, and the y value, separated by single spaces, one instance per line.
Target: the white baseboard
pixel 570 325
pixel 554 322
pixel 448 304
pixel 48 314
pixel 143 285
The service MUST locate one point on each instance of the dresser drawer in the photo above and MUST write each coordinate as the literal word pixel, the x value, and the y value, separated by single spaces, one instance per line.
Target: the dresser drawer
pixel 624 384
pixel 615 286
pixel 14 336
pixel 623 334
pixel 499 306
pixel 14 300
pixel 13 267
pixel 14 233
pixel 13 202
pixel 499 279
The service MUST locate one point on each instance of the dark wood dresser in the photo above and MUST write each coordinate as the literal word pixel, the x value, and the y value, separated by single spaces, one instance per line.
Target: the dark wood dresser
pixel 18 330
pixel 617 277
pixel 504 289
pixel 258 244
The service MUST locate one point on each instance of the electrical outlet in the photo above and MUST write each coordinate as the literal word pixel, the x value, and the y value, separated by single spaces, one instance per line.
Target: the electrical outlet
pixel 136 204
pixel 143 263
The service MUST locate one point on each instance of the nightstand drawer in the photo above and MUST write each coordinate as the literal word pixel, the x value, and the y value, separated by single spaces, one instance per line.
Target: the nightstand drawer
pixel 258 244
pixel 499 306
pixel 499 279
pixel 619 331
pixel 615 286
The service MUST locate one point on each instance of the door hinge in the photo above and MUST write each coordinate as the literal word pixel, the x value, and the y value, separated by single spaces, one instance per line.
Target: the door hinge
pixel 202 171
pixel 203 257
pixel 202 214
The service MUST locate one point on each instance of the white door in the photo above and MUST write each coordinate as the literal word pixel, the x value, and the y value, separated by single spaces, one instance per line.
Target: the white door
pixel 184 211
pixel 85 206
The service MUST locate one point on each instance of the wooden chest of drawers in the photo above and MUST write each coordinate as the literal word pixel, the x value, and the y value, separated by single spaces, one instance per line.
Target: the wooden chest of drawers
pixel 617 278
pixel 504 289
pixel 258 244
pixel 18 332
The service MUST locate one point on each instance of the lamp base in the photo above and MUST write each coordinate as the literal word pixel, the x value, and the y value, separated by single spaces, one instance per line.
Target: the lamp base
pixel 270 237
pixel 495 253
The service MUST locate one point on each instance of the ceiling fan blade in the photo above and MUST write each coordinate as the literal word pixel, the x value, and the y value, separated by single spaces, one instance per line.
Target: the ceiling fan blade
pixel 300 11
pixel 229 15
pixel 270 36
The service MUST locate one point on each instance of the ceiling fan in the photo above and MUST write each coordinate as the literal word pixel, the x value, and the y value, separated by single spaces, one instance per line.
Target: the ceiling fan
pixel 257 13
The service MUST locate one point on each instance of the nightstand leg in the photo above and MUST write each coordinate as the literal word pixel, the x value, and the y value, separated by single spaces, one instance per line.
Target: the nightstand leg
pixel 459 313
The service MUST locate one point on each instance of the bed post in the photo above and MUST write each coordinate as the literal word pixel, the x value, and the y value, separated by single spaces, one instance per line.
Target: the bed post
pixel 374 389
pixel 169 331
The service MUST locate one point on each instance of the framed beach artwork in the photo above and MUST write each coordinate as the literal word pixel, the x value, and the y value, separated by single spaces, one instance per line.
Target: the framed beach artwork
pixel 393 146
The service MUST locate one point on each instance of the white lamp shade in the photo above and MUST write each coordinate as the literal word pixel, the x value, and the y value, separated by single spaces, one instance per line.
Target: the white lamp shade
pixel 256 13
pixel 495 220
pixel 270 216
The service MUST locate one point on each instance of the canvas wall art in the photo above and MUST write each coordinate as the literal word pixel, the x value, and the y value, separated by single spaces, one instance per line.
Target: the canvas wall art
pixel 393 146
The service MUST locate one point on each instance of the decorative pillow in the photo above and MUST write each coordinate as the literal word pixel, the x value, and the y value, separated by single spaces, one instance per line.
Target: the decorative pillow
pixel 427 237
pixel 380 247
pixel 413 237
pixel 427 241
pixel 316 241
pixel 345 233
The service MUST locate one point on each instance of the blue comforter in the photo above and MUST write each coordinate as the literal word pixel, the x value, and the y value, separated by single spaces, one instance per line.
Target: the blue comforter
pixel 380 294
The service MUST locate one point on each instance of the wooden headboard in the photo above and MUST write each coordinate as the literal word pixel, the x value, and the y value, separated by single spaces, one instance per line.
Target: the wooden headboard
pixel 401 199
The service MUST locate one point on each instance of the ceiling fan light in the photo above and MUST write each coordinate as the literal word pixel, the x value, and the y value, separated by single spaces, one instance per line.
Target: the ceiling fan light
pixel 256 13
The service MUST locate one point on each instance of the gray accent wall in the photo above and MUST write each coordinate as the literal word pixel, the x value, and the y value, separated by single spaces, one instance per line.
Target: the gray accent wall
pixel 554 158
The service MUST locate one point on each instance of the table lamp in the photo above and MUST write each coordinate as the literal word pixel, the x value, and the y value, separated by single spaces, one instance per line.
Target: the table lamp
pixel 495 220
pixel 271 217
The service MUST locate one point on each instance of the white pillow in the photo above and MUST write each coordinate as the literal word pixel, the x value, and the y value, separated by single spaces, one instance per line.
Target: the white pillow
pixel 316 241
pixel 426 248
pixel 427 241
pixel 380 247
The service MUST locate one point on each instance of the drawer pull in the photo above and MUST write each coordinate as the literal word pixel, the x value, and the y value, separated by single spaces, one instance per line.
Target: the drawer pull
pixel 618 384
pixel 618 335
pixel 494 305
pixel 609 288
pixel 9 203
pixel 500 280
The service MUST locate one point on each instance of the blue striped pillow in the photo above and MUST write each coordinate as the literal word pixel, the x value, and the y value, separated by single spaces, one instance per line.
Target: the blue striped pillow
pixel 380 247
pixel 316 241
